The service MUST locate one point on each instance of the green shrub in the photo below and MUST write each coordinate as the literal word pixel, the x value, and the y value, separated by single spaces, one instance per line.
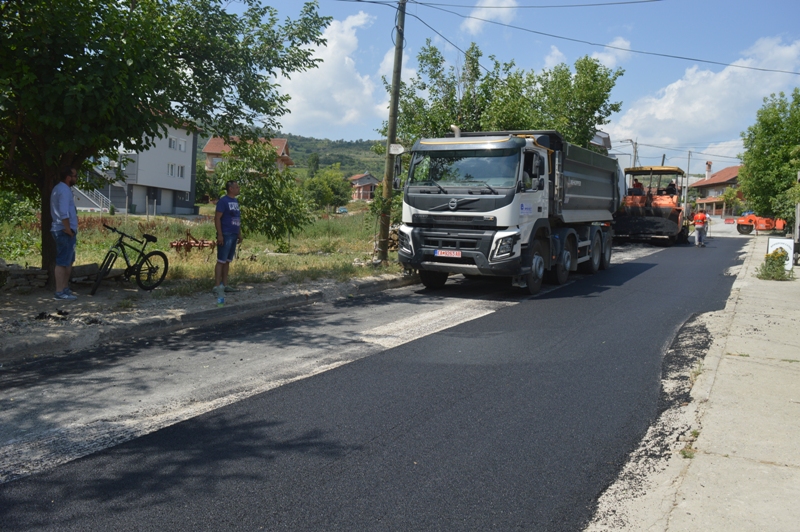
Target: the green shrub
pixel 773 268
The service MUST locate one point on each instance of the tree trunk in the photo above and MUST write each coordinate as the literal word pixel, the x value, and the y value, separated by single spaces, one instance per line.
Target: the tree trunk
pixel 48 244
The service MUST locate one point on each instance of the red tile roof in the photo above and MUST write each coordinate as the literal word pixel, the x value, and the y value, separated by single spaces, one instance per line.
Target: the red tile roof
pixel 218 145
pixel 726 175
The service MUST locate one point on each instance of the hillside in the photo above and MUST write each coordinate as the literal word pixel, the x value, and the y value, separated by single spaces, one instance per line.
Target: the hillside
pixel 355 157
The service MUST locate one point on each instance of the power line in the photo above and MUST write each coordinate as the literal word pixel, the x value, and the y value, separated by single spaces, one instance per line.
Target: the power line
pixel 693 152
pixel 656 54
pixel 430 4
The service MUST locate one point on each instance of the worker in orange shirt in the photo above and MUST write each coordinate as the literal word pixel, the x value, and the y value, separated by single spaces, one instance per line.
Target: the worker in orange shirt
pixel 700 221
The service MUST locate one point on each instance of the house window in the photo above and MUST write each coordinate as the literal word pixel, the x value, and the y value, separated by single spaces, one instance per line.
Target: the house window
pixel 215 161
pixel 181 171
pixel 173 143
pixel 171 170
pixel 181 145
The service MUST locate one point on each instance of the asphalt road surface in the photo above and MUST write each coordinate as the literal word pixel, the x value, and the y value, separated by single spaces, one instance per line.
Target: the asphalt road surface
pixel 516 419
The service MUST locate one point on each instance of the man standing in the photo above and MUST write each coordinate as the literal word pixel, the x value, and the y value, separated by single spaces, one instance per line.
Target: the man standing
pixel 64 230
pixel 700 223
pixel 227 220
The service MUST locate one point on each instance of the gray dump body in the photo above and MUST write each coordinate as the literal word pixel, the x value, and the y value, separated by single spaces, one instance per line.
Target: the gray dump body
pixel 589 188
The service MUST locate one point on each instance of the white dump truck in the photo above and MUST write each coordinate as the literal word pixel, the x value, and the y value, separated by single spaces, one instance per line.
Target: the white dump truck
pixel 520 204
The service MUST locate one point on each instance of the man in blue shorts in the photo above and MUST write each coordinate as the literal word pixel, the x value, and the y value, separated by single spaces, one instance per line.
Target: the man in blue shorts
pixel 64 230
pixel 227 220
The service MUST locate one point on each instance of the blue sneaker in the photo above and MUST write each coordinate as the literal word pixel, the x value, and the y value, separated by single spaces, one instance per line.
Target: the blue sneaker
pixel 64 296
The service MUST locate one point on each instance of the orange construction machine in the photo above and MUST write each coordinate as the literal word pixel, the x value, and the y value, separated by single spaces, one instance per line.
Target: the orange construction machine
pixel 651 210
pixel 746 224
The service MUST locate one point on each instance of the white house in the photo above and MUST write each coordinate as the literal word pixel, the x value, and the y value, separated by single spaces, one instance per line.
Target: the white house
pixel 160 180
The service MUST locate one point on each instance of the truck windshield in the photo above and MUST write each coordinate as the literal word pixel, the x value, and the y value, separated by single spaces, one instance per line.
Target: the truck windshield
pixel 495 168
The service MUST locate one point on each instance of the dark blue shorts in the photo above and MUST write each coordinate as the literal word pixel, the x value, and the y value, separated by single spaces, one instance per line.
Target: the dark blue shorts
pixel 227 250
pixel 65 247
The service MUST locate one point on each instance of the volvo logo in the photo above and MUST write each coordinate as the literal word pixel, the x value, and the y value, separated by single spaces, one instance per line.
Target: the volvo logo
pixel 453 204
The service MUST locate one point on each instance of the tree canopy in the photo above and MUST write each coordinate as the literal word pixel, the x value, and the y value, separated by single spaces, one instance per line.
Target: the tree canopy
pixel 80 79
pixel 504 98
pixel 771 158
pixel 271 203
pixel 328 188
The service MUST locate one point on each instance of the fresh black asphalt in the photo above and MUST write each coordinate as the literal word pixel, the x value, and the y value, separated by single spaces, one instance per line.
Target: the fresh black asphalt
pixel 517 420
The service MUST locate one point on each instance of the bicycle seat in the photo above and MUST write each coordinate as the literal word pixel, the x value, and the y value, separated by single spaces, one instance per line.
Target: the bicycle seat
pixel 150 238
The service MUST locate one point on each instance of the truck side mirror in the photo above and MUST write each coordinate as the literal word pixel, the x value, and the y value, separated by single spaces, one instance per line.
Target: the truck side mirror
pixel 541 183
pixel 398 170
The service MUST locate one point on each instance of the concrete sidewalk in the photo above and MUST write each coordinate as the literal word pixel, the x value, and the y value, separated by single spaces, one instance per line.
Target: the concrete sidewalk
pixel 746 472
pixel 734 465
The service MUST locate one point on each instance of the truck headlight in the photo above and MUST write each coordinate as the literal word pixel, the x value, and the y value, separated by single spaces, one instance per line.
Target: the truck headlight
pixel 505 246
pixel 404 243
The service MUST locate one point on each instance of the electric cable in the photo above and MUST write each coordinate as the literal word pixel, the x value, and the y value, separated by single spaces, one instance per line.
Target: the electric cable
pixel 610 46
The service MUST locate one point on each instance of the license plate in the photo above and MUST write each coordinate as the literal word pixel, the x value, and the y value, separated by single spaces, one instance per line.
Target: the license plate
pixel 447 253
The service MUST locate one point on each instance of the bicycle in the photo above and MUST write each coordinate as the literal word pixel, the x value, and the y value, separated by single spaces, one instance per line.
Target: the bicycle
pixel 148 269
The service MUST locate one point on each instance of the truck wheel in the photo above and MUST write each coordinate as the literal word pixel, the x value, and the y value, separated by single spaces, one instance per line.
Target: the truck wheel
pixel 534 278
pixel 559 272
pixel 744 229
pixel 593 264
pixel 432 280
pixel 605 258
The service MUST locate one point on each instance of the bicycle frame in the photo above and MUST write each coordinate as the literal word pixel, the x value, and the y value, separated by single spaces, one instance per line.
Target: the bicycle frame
pixel 120 245
pixel 149 269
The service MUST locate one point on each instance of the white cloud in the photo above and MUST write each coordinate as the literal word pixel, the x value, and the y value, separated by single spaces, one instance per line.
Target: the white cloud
pixel 611 57
pixel 555 57
pixel 381 109
pixel 334 95
pixel 708 110
pixel 488 10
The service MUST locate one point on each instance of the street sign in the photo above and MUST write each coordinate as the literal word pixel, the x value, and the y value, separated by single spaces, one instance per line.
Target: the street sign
pixel 787 244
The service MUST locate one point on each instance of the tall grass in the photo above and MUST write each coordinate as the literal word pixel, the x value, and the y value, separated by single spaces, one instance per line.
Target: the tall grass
pixel 327 248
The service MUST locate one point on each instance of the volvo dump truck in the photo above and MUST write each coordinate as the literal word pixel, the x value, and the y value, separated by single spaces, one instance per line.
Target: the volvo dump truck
pixel 520 204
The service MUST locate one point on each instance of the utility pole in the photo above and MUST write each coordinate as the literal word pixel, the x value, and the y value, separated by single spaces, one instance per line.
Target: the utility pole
pixel 391 136
pixel 686 188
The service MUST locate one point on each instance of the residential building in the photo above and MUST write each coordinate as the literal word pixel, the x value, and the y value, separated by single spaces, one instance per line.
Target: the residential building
pixel 711 189
pixel 216 146
pixel 363 186
pixel 160 180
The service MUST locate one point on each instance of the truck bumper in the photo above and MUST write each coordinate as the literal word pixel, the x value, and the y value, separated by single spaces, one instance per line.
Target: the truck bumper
pixel 417 250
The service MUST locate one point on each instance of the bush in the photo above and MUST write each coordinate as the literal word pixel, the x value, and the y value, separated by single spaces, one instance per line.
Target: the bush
pixel 773 268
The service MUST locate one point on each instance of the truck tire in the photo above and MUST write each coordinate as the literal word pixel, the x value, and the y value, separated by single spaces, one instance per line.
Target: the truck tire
pixel 605 258
pixel 432 280
pixel 559 272
pixel 533 280
pixel 744 229
pixel 593 264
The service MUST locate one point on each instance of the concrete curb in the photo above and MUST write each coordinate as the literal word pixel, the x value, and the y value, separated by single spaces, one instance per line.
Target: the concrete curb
pixel 28 349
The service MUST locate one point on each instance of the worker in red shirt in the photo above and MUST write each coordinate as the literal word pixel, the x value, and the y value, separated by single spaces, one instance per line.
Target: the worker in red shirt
pixel 700 221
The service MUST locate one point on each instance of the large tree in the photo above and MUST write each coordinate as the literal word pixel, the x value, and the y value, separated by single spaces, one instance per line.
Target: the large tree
pixel 772 157
pixel 272 203
pixel 328 188
pixel 575 102
pixel 80 79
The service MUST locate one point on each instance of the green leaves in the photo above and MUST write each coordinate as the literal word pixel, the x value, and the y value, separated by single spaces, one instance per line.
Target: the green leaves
pixel 772 157
pixel 504 98
pixel 271 202
pixel 328 187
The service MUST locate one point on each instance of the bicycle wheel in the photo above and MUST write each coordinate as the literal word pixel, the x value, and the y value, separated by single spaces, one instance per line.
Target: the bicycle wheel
pixel 151 270
pixel 105 267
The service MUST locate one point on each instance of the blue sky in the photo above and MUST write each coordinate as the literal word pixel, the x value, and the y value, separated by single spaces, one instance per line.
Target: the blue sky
pixel 670 103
